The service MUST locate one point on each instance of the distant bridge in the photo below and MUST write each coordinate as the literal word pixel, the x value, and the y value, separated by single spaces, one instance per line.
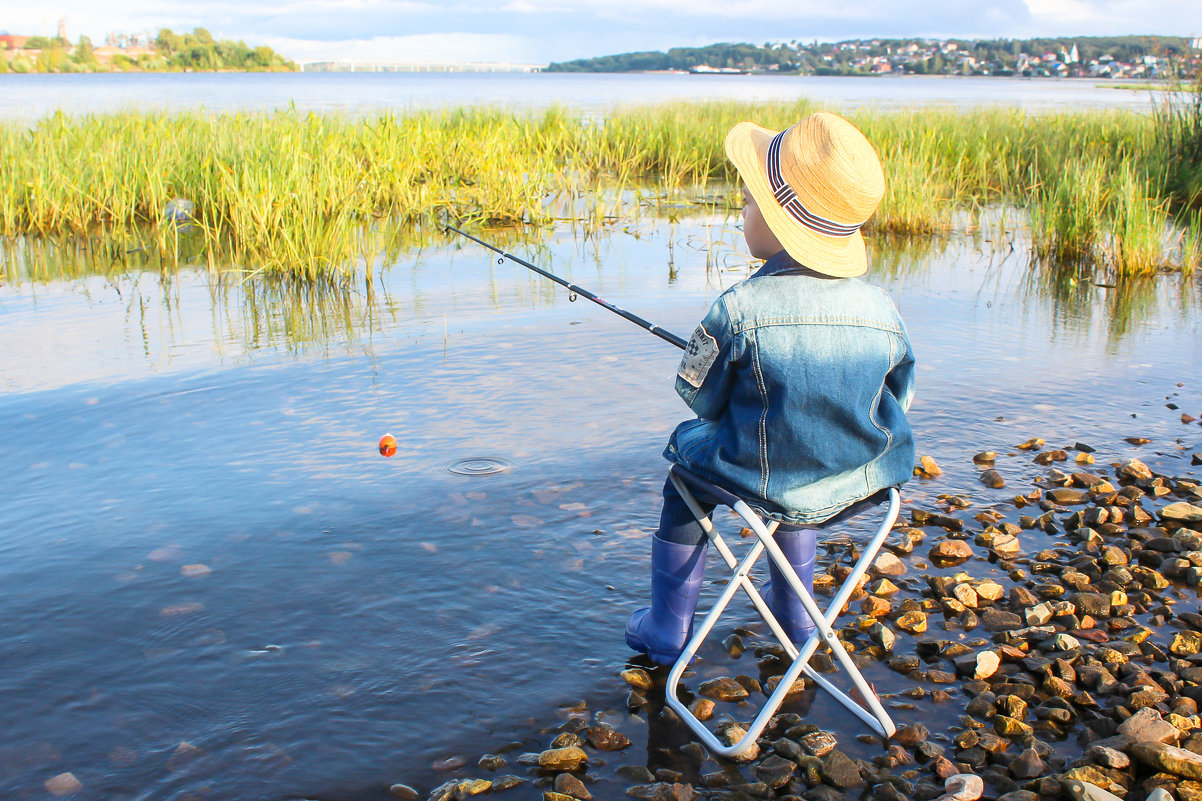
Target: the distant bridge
pixel 401 66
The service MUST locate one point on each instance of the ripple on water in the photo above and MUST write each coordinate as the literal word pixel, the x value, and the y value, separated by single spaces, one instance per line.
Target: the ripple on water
pixel 479 466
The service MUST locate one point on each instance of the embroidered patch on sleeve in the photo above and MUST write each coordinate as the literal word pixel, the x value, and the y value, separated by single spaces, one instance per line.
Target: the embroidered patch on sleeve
pixel 699 356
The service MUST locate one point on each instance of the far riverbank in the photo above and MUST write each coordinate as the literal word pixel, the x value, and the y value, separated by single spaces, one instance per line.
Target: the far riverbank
pixel 36 95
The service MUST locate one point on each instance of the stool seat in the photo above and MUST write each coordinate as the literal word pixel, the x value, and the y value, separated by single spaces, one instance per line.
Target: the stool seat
pixel 689 484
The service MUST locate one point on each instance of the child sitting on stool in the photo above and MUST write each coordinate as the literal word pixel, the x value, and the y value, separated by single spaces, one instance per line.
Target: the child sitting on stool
pixel 800 376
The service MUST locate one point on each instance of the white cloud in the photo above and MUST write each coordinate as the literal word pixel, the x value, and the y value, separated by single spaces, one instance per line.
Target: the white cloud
pixel 542 30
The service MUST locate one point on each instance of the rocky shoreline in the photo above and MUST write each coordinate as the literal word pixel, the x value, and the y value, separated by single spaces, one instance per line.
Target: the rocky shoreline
pixel 1052 639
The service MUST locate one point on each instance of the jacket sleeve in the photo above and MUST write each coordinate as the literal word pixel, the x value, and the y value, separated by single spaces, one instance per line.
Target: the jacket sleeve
pixel 900 380
pixel 706 373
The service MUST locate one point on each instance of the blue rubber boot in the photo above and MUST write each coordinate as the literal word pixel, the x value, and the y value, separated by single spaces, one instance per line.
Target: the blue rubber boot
pixel 800 547
pixel 662 630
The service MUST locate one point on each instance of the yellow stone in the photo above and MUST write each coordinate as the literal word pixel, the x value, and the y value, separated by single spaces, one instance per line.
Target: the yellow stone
pixel 469 787
pixel 913 622
pixel 702 708
pixel 883 586
pixel 965 595
pixel 637 678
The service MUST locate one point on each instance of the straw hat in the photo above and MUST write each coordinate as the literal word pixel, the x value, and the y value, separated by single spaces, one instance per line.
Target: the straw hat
pixel 816 183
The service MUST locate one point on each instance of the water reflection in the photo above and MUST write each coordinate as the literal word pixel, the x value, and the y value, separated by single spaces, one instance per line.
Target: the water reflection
pixel 217 584
pixel 433 284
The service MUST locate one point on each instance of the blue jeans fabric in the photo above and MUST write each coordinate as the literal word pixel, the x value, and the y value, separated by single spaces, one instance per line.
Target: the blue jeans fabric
pixel 676 522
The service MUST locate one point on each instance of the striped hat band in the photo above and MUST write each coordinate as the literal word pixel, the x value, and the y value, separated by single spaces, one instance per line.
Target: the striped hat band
pixel 789 201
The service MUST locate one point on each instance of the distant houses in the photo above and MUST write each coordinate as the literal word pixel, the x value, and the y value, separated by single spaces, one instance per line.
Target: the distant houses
pixel 1144 57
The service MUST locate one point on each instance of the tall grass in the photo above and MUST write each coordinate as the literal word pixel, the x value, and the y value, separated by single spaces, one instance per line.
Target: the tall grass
pixel 315 196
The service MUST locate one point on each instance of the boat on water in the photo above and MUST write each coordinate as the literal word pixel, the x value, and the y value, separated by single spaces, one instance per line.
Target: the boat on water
pixel 705 69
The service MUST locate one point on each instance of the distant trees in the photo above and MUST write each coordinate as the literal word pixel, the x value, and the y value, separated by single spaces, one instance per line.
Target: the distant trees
pixel 197 50
pixel 745 56
pixel 200 51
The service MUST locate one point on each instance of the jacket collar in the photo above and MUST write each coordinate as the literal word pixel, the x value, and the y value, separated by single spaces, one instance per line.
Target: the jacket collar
pixel 783 264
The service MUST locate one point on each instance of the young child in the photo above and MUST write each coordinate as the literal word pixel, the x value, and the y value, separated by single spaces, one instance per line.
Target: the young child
pixel 800 376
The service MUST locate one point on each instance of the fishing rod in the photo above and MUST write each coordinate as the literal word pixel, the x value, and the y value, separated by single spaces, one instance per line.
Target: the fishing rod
pixel 667 336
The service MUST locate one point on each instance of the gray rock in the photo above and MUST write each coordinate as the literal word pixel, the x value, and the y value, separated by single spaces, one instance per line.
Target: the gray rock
pixel 1027 765
pixel 1109 757
pixel 403 792
pixel 823 793
pixel 819 743
pixel 1147 726
pixel 840 770
pixel 999 620
pixel 603 738
pixel 444 791
pixel 636 773
pixel 962 787
pixel 787 748
pixel 662 791
pixel 1134 469
pixel 1084 791
pixel 775 771
pixel 723 688
pixel 1092 603
pixel 1182 512
pixel 491 762
pixel 1169 758
pixel 502 783
pixel 992 478
pixel 568 784
pixel 911 736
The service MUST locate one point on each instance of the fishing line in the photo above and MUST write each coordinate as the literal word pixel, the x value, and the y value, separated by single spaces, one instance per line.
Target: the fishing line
pixel 646 325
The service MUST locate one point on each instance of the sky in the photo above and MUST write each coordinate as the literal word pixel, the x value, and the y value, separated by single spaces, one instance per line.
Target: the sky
pixel 539 31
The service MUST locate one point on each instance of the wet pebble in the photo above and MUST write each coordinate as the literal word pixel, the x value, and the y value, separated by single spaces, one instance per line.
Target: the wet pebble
pixel 951 551
pixel 723 688
pixel 819 743
pixel 839 770
pixel 491 762
pixel 604 738
pixel 561 759
pixel 637 678
pixel 63 784
pixel 449 764
pixel 1169 758
pixel 702 708
pixel 927 468
pixel 569 785
pixel 962 787
pixel 662 791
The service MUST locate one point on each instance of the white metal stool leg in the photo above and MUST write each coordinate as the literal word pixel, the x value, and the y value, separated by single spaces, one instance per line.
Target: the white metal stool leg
pixel 875 716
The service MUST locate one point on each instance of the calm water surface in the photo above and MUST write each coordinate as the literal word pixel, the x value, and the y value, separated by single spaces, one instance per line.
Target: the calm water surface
pixel 214 587
pixel 32 96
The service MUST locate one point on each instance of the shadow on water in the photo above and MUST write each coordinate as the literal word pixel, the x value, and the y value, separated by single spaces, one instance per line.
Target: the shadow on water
pixel 219 589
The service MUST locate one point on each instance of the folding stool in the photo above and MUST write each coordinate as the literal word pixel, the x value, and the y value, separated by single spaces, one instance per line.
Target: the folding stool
pixel 876 717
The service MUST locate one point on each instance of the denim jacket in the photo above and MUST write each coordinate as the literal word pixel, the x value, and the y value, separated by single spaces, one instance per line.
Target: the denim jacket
pixel 801 384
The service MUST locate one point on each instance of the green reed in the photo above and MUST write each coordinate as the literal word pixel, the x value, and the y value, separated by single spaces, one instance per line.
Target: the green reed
pixel 315 196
